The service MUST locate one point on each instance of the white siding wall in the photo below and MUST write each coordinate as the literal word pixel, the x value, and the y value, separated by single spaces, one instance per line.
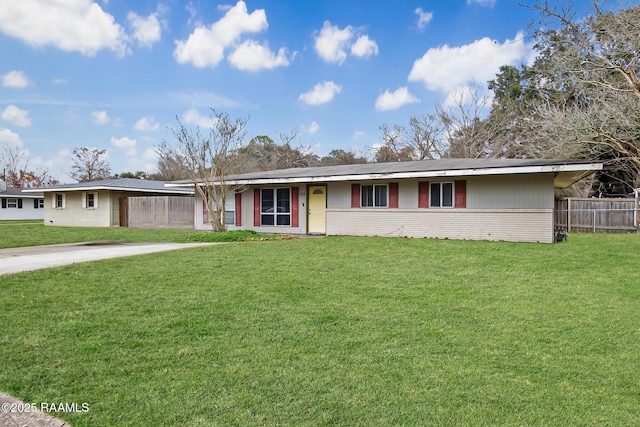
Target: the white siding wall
pixel 74 215
pixel 199 217
pixel 26 212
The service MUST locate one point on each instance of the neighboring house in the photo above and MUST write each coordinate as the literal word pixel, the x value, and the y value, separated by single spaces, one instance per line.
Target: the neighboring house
pixel 476 199
pixel 17 204
pixel 98 203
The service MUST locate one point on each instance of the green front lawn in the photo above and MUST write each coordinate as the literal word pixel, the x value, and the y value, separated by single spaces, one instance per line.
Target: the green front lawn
pixel 16 234
pixel 334 331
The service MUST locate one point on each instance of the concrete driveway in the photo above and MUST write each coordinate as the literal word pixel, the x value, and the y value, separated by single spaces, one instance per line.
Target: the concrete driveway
pixel 33 258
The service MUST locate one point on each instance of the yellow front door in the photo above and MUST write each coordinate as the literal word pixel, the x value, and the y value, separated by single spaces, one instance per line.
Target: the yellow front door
pixel 318 209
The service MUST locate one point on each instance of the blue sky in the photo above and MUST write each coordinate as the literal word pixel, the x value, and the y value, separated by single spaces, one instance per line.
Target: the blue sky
pixel 115 74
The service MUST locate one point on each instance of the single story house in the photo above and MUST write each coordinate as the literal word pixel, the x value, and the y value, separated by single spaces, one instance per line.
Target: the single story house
pixel 98 203
pixel 476 199
pixel 18 205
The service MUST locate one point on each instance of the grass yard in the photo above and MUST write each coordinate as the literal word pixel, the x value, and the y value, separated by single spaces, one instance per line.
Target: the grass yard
pixel 17 234
pixel 334 331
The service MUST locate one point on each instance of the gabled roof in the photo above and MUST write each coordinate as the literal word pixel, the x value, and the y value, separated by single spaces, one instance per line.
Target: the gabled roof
pixel 121 184
pixel 566 172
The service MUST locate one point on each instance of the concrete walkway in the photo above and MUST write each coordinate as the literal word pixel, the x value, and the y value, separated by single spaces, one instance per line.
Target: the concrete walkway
pixel 33 258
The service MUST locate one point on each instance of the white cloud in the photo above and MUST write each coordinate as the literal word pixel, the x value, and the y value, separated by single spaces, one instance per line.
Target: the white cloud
pixel 423 17
pixel 16 116
pixel 253 56
pixel 15 79
pixel 123 142
pixel 205 45
pixel 60 81
pixel 147 124
pixel 193 117
pixel 71 25
pixel 100 117
pixel 332 43
pixel 394 100
pixel 321 93
pixel 146 31
pixel 364 47
pixel 131 152
pixel 488 3
pixel 446 68
pixel 313 127
pixel 8 137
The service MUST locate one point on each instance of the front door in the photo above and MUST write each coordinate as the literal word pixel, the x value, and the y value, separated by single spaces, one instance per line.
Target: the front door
pixel 318 209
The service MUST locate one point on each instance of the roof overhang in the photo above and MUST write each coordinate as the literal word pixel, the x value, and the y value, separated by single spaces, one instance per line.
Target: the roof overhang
pixel 564 175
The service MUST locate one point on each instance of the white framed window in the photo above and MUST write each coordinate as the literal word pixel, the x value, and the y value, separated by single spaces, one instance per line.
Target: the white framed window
pixel 38 203
pixel 90 200
pixel 59 200
pixel 441 195
pixel 374 196
pixel 12 203
pixel 275 206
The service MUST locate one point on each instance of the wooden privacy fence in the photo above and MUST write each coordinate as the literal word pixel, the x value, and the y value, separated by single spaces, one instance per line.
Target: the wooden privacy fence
pixel 170 212
pixel 596 215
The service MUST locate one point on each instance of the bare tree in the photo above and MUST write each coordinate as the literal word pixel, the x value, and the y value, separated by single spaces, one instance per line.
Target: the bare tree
pixel 14 162
pixel 466 133
pixel 426 137
pixel 589 73
pixel 89 164
pixel 294 155
pixel 13 159
pixel 207 157
pixel 394 147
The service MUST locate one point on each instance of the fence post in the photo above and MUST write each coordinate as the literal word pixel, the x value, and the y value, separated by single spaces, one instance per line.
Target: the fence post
pixel 569 215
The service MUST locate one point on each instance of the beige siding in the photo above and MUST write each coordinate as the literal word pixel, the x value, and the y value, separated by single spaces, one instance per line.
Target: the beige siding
pixel 514 225
pixel 511 192
pixel 338 195
pixel 511 208
pixel 74 215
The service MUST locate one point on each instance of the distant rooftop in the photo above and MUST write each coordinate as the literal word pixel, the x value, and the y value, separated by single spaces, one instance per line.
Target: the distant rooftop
pixel 123 184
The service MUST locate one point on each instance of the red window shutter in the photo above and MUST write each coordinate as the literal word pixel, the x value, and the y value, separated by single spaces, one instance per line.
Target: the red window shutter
pixel 256 207
pixel 461 194
pixel 205 213
pixel 393 195
pixel 294 207
pixel 238 209
pixel 355 195
pixel 423 194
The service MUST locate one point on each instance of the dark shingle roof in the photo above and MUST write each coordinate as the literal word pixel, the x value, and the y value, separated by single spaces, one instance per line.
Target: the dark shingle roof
pixel 125 184
pixel 17 192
